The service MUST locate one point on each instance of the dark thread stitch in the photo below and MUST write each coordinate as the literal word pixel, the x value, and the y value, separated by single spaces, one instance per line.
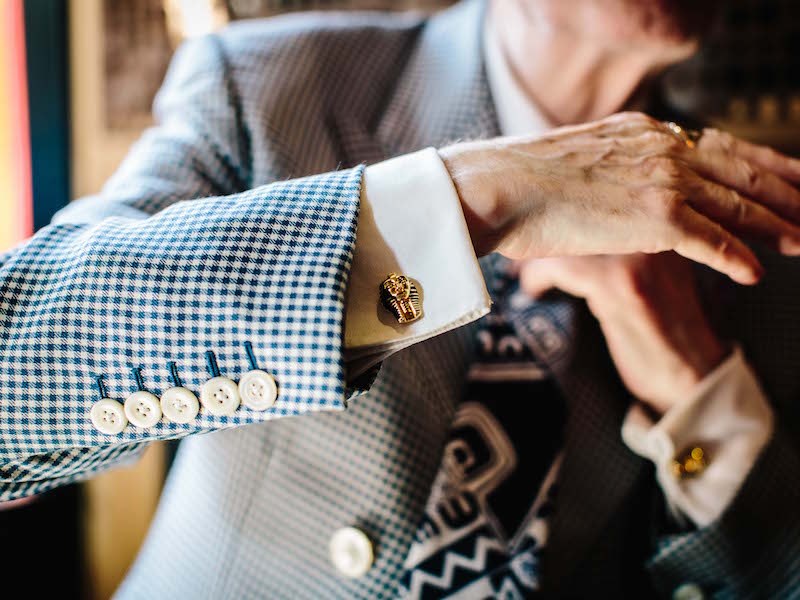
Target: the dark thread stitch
pixel 212 364
pixel 137 373
pixel 173 369
pixel 251 355
pixel 100 387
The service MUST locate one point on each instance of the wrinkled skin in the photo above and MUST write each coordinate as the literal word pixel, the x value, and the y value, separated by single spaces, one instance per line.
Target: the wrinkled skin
pixel 626 184
pixel 603 211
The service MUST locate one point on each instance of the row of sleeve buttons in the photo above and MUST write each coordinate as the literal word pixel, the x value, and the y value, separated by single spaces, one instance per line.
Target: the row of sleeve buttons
pixel 220 396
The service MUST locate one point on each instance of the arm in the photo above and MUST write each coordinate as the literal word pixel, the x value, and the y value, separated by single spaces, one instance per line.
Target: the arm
pixel 736 520
pixel 83 301
pixel 153 271
pixel 176 258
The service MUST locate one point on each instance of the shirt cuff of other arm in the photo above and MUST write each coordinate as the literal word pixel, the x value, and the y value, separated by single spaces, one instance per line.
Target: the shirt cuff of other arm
pixel 410 222
pixel 728 416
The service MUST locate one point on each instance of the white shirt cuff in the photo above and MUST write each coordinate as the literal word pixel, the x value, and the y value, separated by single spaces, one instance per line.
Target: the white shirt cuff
pixel 410 222
pixel 728 416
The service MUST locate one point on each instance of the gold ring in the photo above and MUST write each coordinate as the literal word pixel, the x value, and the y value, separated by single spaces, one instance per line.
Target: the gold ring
pixel 690 137
pixel 400 297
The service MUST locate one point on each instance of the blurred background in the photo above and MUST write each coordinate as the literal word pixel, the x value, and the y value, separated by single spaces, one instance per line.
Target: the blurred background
pixel 77 80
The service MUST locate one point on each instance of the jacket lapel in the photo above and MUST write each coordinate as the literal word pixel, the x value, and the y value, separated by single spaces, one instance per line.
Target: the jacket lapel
pixel 443 94
pixel 440 96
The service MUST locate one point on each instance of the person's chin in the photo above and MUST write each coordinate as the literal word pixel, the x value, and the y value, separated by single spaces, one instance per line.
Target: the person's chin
pixel 669 24
pixel 680 21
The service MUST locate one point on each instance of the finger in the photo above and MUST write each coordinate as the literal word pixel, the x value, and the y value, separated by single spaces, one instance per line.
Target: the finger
pixel 570 275
pixel 751 180
pixel 705 241
pixel 537 277
pixel 742 216
pixel 535 280
pixel 762 156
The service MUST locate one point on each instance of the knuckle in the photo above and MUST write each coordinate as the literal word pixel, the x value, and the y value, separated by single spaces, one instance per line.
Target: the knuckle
pixel 774 157
pixel 668 141
pixel 673 145
pixel 663 141
pixel 636 116
pixel 665 167
pixel 719 241
pixel 750 175
pixel 722 140
pixel 632 121
pixel 668 204
pixel 723 245
pixel 743 209
pixel 657 137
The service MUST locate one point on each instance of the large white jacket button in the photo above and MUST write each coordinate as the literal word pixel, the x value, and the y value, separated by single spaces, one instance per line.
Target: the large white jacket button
pixel 351 552
pixel 258 390
pixel 688 591
pixel 220 396
pixel 142 409
pixel 179 405
pixel 108 416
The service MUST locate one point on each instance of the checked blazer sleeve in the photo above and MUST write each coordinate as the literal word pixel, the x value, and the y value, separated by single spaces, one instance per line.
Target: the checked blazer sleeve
pixel 178 256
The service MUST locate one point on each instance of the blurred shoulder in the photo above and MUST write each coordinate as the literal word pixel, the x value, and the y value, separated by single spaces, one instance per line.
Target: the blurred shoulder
pixel 323 40
pixel 271 85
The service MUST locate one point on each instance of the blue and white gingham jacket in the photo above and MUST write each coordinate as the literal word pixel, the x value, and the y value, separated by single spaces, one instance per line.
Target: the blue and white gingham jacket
pixel 215 233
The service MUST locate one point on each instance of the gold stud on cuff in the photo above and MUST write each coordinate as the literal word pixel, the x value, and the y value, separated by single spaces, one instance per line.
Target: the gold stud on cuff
pixel 690 464
pixel 400 297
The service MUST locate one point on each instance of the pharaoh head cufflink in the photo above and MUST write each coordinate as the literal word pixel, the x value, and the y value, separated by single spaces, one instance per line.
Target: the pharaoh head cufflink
pixel 400 297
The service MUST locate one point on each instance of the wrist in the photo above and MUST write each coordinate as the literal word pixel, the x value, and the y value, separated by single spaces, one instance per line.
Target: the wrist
pixel 698 363
pixel 474 180
pixel 704 355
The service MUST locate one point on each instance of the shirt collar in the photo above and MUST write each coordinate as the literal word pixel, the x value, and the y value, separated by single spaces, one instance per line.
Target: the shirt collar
pixel 516 112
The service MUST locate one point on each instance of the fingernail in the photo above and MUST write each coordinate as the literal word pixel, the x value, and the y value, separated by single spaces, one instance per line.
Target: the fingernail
pixel 789 245
pixel 750 275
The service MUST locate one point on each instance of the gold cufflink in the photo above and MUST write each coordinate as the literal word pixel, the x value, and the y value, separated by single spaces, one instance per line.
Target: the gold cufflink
pixel 690 464
pixel 400 297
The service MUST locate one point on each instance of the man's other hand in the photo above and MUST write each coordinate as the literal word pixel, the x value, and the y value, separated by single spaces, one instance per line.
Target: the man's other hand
pixel 650 314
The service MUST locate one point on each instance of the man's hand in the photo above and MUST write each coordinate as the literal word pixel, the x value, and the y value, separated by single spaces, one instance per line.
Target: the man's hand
pixel 627 184
pixel 650 313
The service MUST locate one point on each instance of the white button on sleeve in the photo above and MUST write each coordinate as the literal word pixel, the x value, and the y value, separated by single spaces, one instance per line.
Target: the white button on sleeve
pixel 410 222
pixel 142 409
pixel 108 416
pixel 220 396
pixel 179 405
pixel 258 390
pixel 351 552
